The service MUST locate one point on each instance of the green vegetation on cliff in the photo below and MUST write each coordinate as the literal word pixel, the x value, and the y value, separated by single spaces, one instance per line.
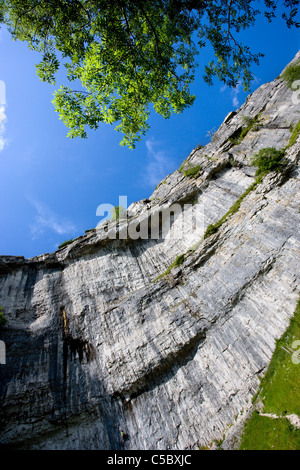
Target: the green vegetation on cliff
pixel 279 396
pixel 3 319
pixel 213 228
pixel 291 74
pixel 295 133
pixel 268 159
pixel 65 243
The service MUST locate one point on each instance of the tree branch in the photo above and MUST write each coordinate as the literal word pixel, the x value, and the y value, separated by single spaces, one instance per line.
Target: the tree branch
pixel 157 41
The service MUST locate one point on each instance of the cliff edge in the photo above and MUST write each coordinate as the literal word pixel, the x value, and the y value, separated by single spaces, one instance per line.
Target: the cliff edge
pixel 156 325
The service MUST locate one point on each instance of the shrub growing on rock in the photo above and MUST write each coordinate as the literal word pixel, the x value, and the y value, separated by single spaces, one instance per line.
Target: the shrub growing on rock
pixel 291 74
pixel 268 159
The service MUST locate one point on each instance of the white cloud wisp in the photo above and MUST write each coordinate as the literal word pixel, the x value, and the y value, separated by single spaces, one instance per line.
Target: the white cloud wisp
pixel 47 220
pixel 160 164
pixel 234 93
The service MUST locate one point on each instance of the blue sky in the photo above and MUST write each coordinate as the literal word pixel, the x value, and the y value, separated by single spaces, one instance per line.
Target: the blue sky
pixel 51 186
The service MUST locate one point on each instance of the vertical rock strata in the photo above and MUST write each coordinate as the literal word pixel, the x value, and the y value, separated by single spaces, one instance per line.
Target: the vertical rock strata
pixel 100 340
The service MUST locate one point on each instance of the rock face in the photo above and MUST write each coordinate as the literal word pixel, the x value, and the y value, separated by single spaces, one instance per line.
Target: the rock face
pixel 99 340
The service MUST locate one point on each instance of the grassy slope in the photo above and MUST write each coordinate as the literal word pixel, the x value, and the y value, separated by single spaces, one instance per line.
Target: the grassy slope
pixel 279 394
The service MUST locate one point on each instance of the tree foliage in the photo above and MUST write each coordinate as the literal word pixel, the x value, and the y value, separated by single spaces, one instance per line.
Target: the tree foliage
pixel 125 57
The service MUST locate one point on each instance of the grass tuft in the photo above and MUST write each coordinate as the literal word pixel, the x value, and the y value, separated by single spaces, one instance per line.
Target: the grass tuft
pixel 65 243
pixel 295 133
pixel 291 74
pixel 189 171
pixel 279 393
pixel 213 228
pixel 178 262
pixel 251 124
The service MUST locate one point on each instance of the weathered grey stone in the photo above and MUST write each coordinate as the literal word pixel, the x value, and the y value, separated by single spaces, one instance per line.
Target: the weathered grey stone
pixel 98 340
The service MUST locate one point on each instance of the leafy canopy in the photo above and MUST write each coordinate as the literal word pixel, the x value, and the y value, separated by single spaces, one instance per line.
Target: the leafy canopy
pixel 123 57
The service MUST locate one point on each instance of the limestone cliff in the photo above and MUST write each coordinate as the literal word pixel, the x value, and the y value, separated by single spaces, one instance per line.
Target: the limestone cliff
pixel 109 334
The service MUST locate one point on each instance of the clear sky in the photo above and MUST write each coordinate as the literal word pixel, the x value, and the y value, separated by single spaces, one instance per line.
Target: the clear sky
pixel 51 186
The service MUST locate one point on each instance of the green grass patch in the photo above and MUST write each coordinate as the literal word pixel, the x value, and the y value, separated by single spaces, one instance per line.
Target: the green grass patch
pixel 189 171
pixel 266 160
pixel 192 172
pixel 280 388
pixel 213 228
pixel 279 393
pixel 291 74
pixel 65 243
pixel 295 133
pixel 178 262
pixel 264 433
pixel 240 134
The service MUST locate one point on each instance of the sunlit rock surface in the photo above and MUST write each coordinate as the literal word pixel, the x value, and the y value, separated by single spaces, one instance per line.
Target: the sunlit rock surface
pixel 99 341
